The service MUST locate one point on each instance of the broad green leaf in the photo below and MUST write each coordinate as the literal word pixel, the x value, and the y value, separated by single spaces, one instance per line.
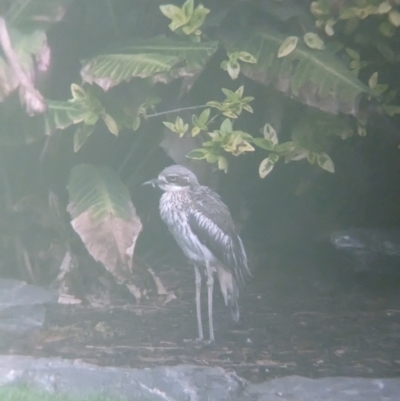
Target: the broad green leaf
pixel 81 135
pixel 104 217
pixel 287 46
pixel 325 162
pixel 318 79
pixel 265 168
pixel 161 59
pixel 316 130
pixel 313 41
pixel 270 134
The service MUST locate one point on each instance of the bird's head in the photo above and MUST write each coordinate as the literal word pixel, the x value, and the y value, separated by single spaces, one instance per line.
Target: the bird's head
pixel 174 178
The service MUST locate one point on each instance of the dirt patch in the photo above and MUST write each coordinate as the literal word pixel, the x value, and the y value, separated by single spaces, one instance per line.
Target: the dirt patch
pixel 307 316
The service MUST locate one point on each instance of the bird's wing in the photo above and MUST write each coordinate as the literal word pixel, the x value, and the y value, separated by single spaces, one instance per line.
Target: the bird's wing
pixel 211 222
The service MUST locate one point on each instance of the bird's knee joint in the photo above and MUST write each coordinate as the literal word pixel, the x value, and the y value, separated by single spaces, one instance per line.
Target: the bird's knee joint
pixel 210 281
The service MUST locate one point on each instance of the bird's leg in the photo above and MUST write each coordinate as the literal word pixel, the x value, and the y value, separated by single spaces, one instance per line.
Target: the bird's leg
pixel 210 286
pixel 198 302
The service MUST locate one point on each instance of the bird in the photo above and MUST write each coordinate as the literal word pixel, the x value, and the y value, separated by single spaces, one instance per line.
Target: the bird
pixel 204 229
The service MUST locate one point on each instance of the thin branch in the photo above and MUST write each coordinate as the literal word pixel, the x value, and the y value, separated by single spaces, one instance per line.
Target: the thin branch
pixel 162 113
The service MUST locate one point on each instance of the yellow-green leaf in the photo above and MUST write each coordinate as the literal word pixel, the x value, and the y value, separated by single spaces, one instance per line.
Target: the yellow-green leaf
pixel 196 131
pixel 373 80
pixel 265 168
pixel 287 46
pixel 394 18
pixel 223 163
pixel 361 130
pixel 270 134
pixel 111 124
pixel 313 41
pixel 325 162
pixel 78 93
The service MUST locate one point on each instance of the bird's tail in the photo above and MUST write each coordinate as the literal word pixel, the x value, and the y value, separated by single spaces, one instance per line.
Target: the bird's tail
pixel 230 291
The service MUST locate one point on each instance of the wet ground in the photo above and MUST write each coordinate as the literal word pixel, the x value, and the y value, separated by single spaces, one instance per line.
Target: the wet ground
pixel 300 315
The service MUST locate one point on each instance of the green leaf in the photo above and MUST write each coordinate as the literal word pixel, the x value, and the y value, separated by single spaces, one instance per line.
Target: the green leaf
pixel 226 126
pixel 391 109
pixel 296 155
pixel 170 11
pixel 233 69
pixel 188 8
pixel 361 130
pixel 247 57
pixel 111 124
pixel 273 158
pixel 313 41
pixel 284 147
pixel 61 115
pixel 318 79
pixel 223 163
pixel 170 126
pixel 104 217
pixel 136 123
pixel 325 162
pixel 78 93
pixel 161 59
pixel 265 168
pixel 270 134
pixel 99 189
pixel 373 80
pixel 198 154
pixel 263 143
pixel 204 116
pixel 394 18
pixel 81 135
pixel 287 46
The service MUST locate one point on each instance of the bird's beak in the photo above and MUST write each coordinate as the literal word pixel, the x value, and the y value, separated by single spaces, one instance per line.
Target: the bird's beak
pixel 154 182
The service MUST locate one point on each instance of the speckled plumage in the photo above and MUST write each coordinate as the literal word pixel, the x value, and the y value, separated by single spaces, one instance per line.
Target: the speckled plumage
pixel 203 228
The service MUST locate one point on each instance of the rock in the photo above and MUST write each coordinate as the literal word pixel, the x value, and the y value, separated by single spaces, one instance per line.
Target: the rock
pixel 22 308
pixel 184 383
pixel 295 388
pixel 178 383
pixel 376 250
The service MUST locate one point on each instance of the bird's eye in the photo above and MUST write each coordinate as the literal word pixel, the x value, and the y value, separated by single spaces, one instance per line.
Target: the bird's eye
pixel 172 178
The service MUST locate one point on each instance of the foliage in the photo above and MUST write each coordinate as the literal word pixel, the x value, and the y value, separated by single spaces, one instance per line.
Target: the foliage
pixel 337 60
pixel 104 217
